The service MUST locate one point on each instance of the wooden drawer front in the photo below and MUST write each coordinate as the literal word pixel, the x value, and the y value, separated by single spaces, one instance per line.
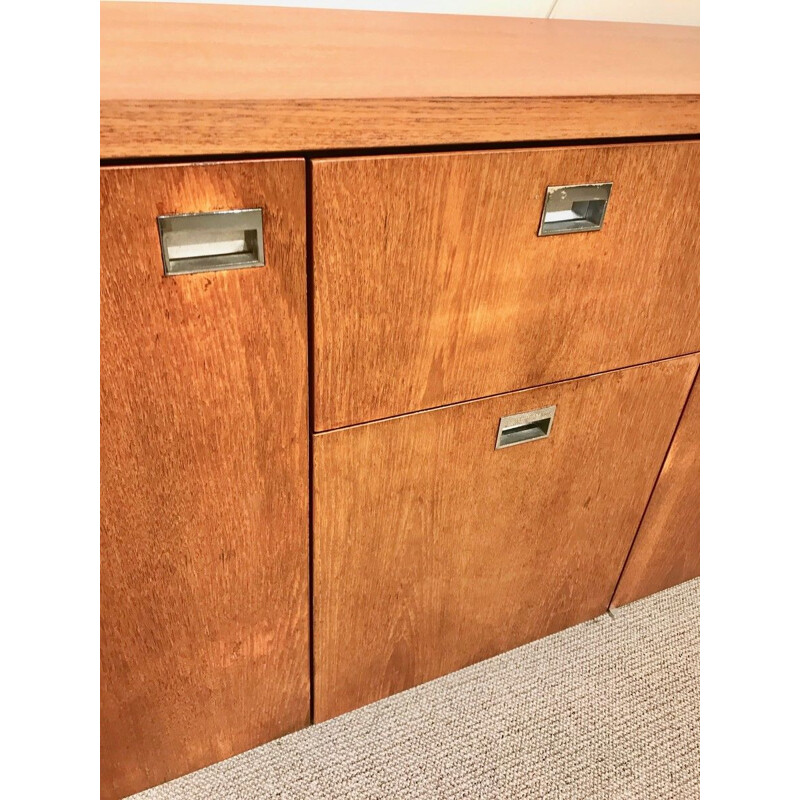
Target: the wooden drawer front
pixel 432 286
pixel 204 478
pixel 433 550
pixel 667 547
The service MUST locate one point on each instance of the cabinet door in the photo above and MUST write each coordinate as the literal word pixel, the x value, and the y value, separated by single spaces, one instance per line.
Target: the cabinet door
pixel 667 548
pixel 432 285
pixel 204 478
pixel 434 550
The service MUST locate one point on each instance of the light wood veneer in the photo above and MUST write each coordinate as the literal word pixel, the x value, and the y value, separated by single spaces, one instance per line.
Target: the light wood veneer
pixel 204 479
pixel 183 79
pixel 666 551
pixel 431 285
pixel 436 309
pixel 433 550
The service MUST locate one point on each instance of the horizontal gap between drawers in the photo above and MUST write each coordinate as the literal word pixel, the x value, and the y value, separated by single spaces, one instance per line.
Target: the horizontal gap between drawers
pixel 502 394
pixel 379 151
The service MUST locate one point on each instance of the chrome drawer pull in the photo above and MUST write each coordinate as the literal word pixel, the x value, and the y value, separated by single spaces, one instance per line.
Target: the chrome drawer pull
pixel 526 427
pixel 211 241
pixel 574 209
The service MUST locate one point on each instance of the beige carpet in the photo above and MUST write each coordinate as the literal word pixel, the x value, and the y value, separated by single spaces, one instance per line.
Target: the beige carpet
pixel 606 710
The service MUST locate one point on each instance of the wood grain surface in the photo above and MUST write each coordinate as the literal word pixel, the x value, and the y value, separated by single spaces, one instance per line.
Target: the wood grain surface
pixel 204 478
pixel 184 79
pixel 433 550
pixel 431 285
pixel 666 551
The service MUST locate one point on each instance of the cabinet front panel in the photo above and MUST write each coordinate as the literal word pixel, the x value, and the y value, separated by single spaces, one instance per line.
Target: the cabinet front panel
pixel 667 547
pixel 204 477
pixel 432 285
pixel 434 550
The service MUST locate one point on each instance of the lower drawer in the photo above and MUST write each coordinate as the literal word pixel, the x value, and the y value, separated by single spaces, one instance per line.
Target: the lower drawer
pixel 434 550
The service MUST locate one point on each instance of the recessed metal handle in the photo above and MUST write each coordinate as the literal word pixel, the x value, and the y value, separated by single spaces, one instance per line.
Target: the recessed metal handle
pixel 211 241
pixel 526 427
pixel 574 209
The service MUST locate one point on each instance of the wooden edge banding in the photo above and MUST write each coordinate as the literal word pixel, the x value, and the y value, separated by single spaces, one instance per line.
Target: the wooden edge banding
pixel 144 129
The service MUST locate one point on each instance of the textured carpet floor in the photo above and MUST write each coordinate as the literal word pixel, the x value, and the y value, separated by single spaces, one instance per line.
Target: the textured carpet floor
pixel 608 709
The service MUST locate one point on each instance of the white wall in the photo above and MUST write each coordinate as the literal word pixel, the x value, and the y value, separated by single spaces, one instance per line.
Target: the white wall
pixel 671 12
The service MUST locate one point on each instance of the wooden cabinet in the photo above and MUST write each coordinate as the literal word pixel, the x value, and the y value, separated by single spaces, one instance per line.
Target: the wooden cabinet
pixel 432 286
pixel 204 478
pixel 667 547
pixel 433 550
pixel 408 299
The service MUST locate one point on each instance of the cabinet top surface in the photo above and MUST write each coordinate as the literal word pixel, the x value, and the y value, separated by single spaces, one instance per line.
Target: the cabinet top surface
pixel 252 62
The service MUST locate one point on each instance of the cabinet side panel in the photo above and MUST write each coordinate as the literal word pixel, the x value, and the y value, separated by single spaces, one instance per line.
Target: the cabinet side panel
pixel 667 548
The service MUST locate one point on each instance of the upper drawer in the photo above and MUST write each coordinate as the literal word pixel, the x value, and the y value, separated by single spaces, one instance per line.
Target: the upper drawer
pixel 432 286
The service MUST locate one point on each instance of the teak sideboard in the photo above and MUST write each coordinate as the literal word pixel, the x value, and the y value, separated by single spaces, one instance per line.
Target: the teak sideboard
pixel 399 355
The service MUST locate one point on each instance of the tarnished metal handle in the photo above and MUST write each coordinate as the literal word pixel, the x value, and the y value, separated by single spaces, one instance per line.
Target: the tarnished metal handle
pixel 526 427
pixel 574 209
pixel 211 241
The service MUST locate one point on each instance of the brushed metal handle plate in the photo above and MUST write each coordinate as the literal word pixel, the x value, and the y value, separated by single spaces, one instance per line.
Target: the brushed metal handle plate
pixel 574 209
pixel 529 426
pixel 211 241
